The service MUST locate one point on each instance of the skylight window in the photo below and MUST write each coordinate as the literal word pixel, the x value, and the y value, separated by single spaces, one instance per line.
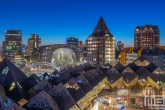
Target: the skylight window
pixel 12 86
pixel 5 71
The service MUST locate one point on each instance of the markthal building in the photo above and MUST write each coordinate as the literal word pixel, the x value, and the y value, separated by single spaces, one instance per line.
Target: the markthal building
pixel 79 87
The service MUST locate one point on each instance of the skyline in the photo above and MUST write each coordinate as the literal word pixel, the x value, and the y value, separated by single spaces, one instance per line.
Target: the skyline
pixel 61 19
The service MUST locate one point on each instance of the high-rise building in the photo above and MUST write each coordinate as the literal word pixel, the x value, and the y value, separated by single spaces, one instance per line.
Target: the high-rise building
pixel 12 46
pixel 81 44
pixel 147 36
pixel 101 44
pixel 34 42
pixel 120 46
pixel 72 40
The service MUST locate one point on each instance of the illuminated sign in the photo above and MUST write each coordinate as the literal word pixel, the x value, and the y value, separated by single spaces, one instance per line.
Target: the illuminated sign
pixel 9 47
pixel 154 100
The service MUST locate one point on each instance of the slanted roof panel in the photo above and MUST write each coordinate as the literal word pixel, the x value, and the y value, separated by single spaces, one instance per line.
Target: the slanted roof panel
pixel 101 28
pixel 113 75
pixel 84 84
pixel 62 97
pixel 74 89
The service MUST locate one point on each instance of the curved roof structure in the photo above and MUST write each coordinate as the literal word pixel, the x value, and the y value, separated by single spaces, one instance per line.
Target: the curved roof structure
pixel 64 56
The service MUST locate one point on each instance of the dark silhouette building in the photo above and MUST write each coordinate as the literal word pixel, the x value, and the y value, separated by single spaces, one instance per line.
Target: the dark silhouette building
pixel 72 40
pixel 34 42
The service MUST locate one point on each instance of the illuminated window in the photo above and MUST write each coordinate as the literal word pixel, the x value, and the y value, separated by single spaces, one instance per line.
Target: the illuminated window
pixel 158 71
pixel 127 70
pixel 75 86
pixel 19 85
pixel 144 63
pixel 5 70
pixel 12 86
pixel 8 103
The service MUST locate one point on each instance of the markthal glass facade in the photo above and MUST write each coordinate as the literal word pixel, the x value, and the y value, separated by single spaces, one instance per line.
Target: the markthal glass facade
pixel 64 56
pixel 77 88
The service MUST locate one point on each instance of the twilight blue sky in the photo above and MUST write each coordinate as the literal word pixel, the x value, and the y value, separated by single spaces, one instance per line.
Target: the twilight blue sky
pixel 55 20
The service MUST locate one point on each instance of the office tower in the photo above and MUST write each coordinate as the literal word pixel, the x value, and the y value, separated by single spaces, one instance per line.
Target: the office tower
pixel 12 46
pixel 24 49
pixel 147 36
pixel 34 43
pixel 81 44
pixel 72 40
pixel 101 44
pixel 120 46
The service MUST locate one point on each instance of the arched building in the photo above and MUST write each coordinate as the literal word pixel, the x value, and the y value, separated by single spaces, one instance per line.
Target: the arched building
pixel 62 53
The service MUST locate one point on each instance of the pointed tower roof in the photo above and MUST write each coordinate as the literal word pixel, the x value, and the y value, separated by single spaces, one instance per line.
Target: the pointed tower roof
pixel 12 80
pixel 101 29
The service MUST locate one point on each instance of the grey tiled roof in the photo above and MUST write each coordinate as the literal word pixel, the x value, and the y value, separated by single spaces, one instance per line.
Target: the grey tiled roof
pixel 96 75
pixel 10 74
pixel 91 79
pixel 31 81
pixel 62 96
pixel 158 75
pixel 128 75
pixel 100 72
pixel 84 84
pixel 142 73
pixel 42 101
pixel 113 75
pixel 76 94
pixel 43 85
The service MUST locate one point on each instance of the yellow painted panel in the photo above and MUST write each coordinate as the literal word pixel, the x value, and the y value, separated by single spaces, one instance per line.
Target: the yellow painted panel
pixel 122 58
pixel 85 104
pixel 93 95
pixel 153 83
pixel 97 89
pixel 117 83
pixel 22 102
pixel 102 84
pixel 127 85
pixel 76 108
pixel 140 51
pixel 142 84
pixel 163 84
pixel 133 82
